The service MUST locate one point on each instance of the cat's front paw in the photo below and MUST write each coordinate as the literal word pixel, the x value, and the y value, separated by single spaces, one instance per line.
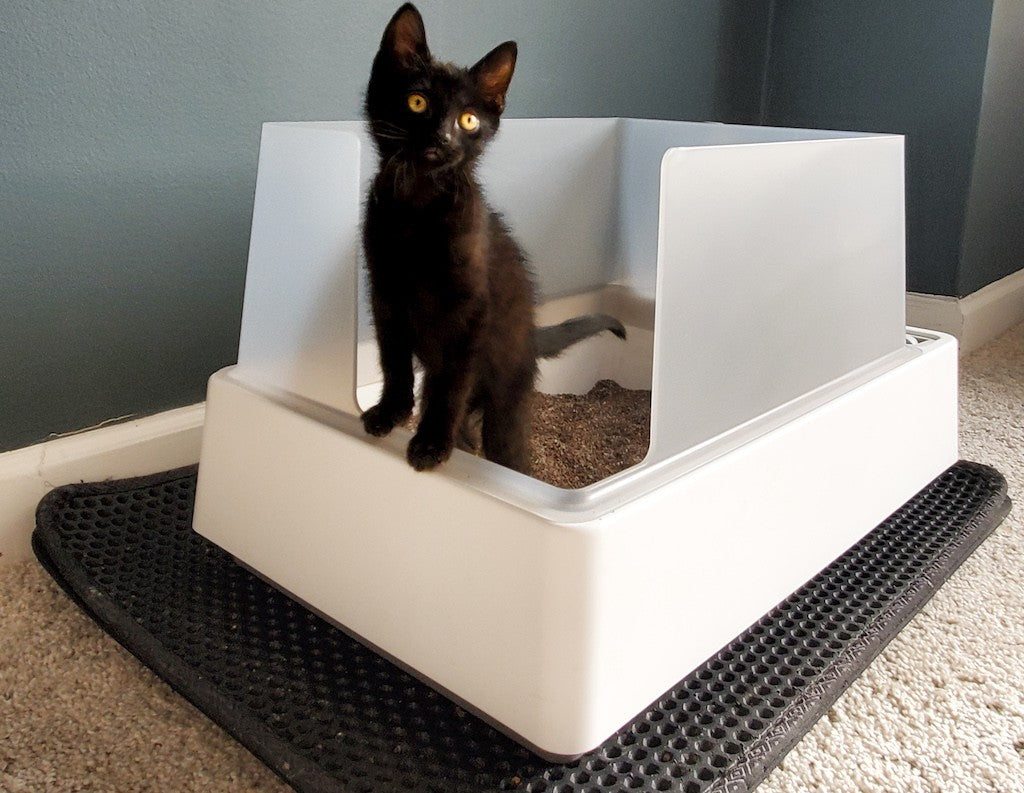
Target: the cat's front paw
pixel 425 453
pixel 381 419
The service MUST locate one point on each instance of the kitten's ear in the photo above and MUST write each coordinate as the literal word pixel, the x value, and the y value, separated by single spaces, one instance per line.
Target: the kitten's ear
pixel 493 73
pixel 405 37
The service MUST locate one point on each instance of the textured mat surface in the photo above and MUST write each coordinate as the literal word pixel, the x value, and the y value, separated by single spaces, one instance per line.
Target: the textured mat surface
pixel 329 715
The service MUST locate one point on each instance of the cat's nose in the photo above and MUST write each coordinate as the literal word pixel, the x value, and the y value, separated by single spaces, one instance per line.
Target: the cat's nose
pixel 442 149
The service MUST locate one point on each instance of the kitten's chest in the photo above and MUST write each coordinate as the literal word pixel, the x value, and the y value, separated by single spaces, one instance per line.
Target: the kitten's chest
pixel 429 249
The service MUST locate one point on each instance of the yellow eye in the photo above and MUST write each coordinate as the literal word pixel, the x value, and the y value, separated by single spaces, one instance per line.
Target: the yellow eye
pixel 417 103
pixel 469 122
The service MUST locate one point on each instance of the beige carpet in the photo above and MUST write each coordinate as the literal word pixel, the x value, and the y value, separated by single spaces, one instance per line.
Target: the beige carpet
pixel 942 709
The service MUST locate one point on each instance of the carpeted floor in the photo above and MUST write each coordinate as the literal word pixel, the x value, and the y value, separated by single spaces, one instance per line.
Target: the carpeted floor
pixel 942 709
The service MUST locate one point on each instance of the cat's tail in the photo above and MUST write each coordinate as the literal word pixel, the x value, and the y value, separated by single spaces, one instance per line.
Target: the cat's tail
pixel 551 340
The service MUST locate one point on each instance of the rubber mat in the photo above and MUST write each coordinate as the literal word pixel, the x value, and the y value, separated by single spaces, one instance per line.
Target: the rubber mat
pixel 328 715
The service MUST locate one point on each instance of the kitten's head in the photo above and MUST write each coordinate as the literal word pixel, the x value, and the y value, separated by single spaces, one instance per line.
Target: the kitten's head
pixel 433 116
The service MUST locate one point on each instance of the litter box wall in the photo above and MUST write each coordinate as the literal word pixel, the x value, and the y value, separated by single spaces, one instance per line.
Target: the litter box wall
pixel 780 371
pixel 781 253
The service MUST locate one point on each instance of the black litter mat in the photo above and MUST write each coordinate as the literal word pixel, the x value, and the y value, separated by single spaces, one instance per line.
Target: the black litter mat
pixel 327 714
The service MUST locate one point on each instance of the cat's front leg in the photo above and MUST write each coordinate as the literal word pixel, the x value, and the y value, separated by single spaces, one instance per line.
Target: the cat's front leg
pixel 394 408
pixel 394 342
pixel 426 452
pixel 444 405
pixel 383 417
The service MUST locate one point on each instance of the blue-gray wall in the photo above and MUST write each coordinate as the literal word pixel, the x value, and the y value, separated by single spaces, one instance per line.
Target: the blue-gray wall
pixel 129 131
pixel 914 67
pixel 994 232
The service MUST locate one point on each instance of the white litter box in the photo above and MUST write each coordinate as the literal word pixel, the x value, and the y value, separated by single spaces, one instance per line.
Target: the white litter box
pixel 760 273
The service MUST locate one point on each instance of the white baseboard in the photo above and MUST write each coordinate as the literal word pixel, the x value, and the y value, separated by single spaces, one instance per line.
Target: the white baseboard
pixel 975 319
pixel 134 448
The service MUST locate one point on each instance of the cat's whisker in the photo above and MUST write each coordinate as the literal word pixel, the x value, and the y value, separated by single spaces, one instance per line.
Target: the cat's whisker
pixel 402 179
pixel 388 131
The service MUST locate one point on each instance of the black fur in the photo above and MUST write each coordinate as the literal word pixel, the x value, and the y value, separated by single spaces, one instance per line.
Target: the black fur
pixel 552 340
pixel 448 283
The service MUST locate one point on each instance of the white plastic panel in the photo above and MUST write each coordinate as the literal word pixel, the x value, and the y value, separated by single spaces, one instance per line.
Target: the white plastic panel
pixel 775 254
pixel 555 181
pixel 299 318
pixel 780 269
pixel 642 144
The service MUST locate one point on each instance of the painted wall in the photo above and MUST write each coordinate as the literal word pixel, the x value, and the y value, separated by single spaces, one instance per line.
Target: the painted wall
pixel 129 134
pixel 994 232
pixel 914 67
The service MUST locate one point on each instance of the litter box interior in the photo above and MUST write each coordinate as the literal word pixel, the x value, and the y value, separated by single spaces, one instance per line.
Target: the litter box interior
pixel 751 265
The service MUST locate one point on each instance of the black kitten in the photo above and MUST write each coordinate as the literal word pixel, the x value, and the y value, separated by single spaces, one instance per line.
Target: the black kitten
pixel 448 283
